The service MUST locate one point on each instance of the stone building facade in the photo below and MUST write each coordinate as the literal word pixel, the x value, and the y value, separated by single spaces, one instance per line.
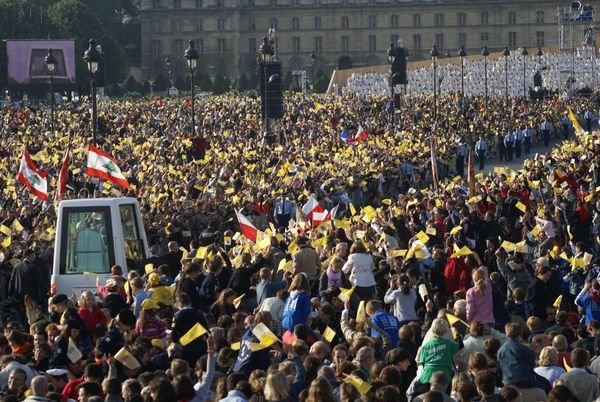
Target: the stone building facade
pixel 340 32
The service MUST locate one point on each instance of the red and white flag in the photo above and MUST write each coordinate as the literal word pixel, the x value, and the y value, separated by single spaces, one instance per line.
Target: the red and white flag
pixel 361 134
pixel 248 229
pixel 31 178
pixel 311 206
pixel 63 175
pixel 102 165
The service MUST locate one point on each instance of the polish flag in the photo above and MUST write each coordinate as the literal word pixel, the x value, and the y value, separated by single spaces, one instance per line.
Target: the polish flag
pixel 361 135
pixel 248 229
pixel 311 206
pixel 324 216
pixel 63 175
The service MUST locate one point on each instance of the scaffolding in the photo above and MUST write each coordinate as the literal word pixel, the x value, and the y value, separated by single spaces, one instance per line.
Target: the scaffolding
pixel 576 35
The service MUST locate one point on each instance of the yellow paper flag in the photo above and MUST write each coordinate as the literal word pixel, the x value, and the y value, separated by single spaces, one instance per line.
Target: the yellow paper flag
pixel 345 294
pixel 149 268
pixel 361 314
pixel 508 246
pixel 360 385
pixel 455 230
pixel 422 237
pixel 521 207
pixel 195 332
pixel 398 253
pixel 127 359
pixel 238 300
pixel 567 367
pixel 6 230
pixel 342 223
pixel 73 352
pixel 430 231
pixel 16 226
pixel 557 301
pixel 352 209
pixel 452 319
pixel 6 243
pixel 235 346
pixel 328 334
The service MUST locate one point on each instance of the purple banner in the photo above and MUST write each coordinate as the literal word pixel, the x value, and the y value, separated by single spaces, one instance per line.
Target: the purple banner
pixel 26 61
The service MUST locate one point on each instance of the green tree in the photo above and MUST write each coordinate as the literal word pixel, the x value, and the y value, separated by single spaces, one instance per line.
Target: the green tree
pixel 207 84
pixel 242 83
pixel 219 84
pixel 131 85
pixel 287 79
pixel 161 83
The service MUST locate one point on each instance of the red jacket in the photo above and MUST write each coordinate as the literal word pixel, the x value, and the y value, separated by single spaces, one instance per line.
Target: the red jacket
pixel 93 318
pixel 458 275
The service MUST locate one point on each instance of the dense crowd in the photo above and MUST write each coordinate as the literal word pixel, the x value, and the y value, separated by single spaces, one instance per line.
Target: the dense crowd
pixel 554 68
pixel 478 287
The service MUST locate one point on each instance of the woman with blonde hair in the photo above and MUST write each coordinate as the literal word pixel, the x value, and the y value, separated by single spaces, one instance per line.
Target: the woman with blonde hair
pixel 360 268
pixel 277 387
pixel 297 306
pixel 480 305
pixel 90 313
pixel 547 364
pixel 320 391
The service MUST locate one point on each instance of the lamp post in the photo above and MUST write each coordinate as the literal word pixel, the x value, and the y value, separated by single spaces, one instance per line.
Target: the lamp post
pixel 191 55
pixel 265 56
pixel 391 54
pixel 462 55
pixel 524 53
pixel 313 60
pixel 485 53
pixel 168 64
pixel 434 55
pixel 92 58
pixel 506 53
pixel 51 63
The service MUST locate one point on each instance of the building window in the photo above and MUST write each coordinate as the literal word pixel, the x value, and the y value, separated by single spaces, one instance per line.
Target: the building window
pixel 417 42
pixel 156 48
pixel 345 22
pixel 251 3
pixel 539 38
pixel 155 26
pixel 372 43
pixel 345 44
pixel 462 19
pixel 539 17
pixel 220 24
pixel 372 21
pixel 317 22
pixel 176 3
pixel 155 3
pixel 296 44
pixel 295 2
pixel 439 20
pixel 219 3
pixel 483 39
pixel 512 40
pixel 439 41
pixel 394 21
pixel 252 24
pixel 200 45
pixel 295 24
pixel 274 23
pixel 462 39
pixel 318 44
pixel 221 45
pixel 198 3
pixel 252 45
pixel 484 18
pixel 199 26
pixel 177 46
pixel 512 18
pixel 394 39
pixel 416 20
pixel 176 25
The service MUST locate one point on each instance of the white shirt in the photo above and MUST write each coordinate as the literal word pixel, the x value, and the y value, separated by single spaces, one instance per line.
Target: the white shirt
pixel 360 268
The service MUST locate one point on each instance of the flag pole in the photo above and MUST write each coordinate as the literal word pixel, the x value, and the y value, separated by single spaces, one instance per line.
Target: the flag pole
pixel 433 164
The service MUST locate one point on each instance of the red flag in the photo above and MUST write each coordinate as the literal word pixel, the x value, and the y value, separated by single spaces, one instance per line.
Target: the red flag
pixel 248 229
pixel 470 174
pixel 312 206
pixel 32 178
pixel 63 175
pixel 361 135
pixel 188 104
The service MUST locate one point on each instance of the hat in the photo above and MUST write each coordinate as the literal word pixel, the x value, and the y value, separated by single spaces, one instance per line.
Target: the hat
pixel 158 343
pixel 149 304
pixel 57 372
pixel 59 298
pixel 126 317
pixel 154 279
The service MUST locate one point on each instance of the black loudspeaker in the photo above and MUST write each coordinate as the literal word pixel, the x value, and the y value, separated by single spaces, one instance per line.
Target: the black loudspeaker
pixel 271 97
pixel 399 68
pixel 537 79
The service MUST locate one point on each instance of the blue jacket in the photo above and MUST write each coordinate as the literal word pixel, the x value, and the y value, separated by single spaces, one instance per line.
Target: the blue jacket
pixel 592 309
pixel 296 310
pixel 516 362
pixel 209 289
pixel 266 289
pixel 389 323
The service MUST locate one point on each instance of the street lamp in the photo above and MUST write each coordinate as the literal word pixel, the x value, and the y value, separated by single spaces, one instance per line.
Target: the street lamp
pixel 391 54
pixel 313 60
pixel 265 56
pixel 506 53
pixel 192 56
pixel 485 53
pixel 92 58
pixel 168 64
pixel 462 55
pixel 524 53
pixel 51 64
pixel 434 55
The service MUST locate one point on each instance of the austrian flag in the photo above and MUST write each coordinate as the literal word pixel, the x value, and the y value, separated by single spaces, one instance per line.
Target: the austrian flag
pixel 31 178
pixel 102 165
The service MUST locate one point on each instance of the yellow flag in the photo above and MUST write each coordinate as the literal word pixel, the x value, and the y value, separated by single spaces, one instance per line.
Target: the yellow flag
pixel 430 231
pixel 149 268
pixel 342 223
pixel 195 332
pixel 352 209
pixel 557 301
pixel 535 231
pixel 16 226
pixel 452 319
pixel 387 201
pixel 235 346
pixel 345 294
pixel 567 367
pixel 521 207
pixel 576 125
pixel 508 246
pixel 238 300
pixel 398 253
pixel 361 314
pixel 127 359
pixel 455 230
pixel 6 243
pixel 329 334
pixel 73 352
pixel 360 385
pixel 463 251
pixel 6 230
pixel 422 237
pixel 318 106
pixel 202 252
pixel 285 265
